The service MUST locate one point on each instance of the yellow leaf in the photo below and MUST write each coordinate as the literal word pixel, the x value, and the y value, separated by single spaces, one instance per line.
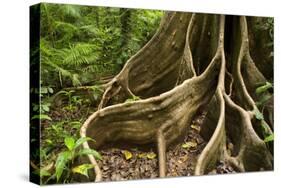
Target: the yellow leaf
pixel 151 155
pixel 128 155
pixel 189 145
pixel 82 169
pixel 196 127
pixel 142 155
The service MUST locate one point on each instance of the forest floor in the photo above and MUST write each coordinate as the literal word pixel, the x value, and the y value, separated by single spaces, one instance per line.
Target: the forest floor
pixel 127 162
pixel 134 163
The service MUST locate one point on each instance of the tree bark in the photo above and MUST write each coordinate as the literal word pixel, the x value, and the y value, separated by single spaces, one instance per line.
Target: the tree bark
pixel 194 61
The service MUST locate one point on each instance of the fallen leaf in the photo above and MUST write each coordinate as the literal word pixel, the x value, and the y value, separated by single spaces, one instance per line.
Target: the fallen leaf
pixel 142 155
pixel 184 158
pixel 151 155
pixel 189 145
pixel 128 155
pixel 196 127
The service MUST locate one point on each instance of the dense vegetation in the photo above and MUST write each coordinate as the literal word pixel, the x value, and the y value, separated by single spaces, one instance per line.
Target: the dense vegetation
pixel 79 45
pixel 81 49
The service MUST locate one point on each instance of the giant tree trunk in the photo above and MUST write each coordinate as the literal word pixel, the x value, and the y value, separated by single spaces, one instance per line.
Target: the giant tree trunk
pixel 193 62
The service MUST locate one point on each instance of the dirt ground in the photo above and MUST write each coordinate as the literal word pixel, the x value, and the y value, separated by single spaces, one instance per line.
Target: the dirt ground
pixel 140 164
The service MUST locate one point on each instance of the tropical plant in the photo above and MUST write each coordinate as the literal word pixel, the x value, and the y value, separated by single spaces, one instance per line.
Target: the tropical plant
pixel 64 165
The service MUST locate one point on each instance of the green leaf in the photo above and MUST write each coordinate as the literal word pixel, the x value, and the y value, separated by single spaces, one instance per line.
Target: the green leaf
pixel 75 124
pixel 48 141
pixel 50 90
pixel 41 117
pixel 82 169
pixel 269 138
pixel 82 140
pixel 45 108
pixel 263 88
pixel 258 114
pixel 69 142
pixel 90 152
pixel 61 161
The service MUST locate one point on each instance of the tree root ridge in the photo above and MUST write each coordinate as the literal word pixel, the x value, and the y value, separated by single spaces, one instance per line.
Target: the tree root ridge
pixel 166 110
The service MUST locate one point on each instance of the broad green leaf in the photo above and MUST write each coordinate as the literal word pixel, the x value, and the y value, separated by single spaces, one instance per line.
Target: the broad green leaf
pixel 61 161
pixel 90 152
pixel 128 155
pixel 269 138
pixel 151 155
pixel 81 141
pixel 263 88
pixel 45 108
pixel 189 145
pixel 82 169
pixel 42 117
pixel 69 142
pixel 258 114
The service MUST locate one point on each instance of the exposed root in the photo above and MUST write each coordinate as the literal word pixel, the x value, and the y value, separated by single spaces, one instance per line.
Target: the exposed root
pixel 161 146
pixel 165 111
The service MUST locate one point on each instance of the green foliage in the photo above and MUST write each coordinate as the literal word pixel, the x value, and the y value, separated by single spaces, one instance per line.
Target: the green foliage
pixel 269 138
pixel 79 43
pixel 65 160
pixel 263 97
pixel 40 110
pixel 264 88
pixel 268 25
pixel 258 114
pixel 82 169
pixel 263 94
pixel 132 99
pixel 41 117
pixel 96 92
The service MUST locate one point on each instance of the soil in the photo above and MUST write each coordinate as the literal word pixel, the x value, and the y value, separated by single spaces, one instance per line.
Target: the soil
pixel 143 163
pixel 180 161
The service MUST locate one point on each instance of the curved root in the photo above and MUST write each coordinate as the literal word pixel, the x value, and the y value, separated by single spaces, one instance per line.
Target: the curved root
pixel 166 111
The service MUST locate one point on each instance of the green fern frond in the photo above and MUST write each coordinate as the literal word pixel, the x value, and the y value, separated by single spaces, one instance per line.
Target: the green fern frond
pixel 67 27
pixel 79 54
